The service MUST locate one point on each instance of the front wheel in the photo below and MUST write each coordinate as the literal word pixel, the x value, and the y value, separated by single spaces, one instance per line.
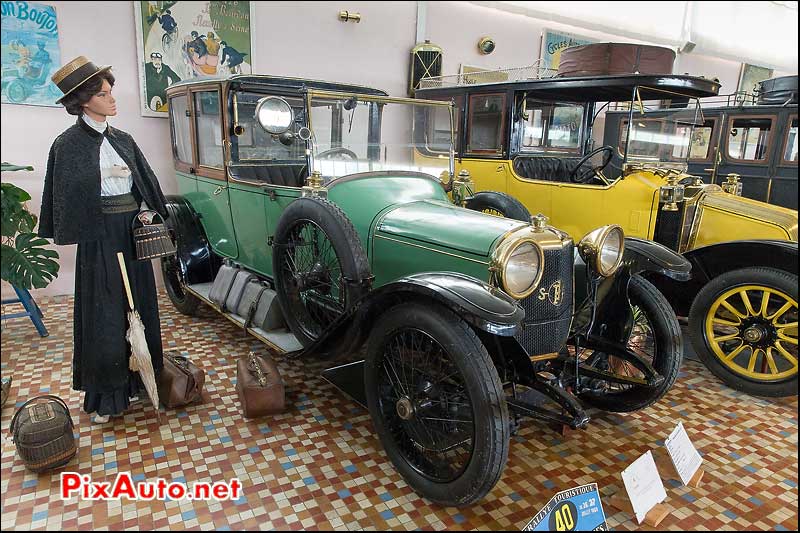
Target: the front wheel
pixel 656 337
pixel 437 403
pixel 743 326
pixel 183 301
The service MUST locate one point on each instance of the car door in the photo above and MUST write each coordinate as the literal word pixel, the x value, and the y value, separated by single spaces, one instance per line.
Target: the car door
pixel 213 203
pixel 783 191
pixel 747 150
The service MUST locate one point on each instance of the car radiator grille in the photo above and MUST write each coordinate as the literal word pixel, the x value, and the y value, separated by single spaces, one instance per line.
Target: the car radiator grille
pixel 548 311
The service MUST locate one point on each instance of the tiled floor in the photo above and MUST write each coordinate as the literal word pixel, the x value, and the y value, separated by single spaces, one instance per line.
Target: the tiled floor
pixel 319 466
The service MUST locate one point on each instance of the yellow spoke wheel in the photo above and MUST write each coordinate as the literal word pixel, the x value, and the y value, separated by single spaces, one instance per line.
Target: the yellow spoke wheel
pixel 744 327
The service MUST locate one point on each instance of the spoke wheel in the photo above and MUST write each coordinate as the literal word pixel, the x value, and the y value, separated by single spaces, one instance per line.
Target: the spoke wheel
pixel 655 337
pixel 744 327
pixel 183 301
pixel 437 403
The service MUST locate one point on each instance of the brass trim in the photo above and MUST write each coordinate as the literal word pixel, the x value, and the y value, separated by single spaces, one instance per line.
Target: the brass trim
pixel 377 236
pixel 502 254
pixel 543 357
pixel 590 245
pixel 316 93
pixel 769 190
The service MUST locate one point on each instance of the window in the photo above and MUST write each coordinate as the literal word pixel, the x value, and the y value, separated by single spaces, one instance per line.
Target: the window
pixel 701 141
pixel 486 121
pixel 432 129
pixel 748 138
pixel 181 129
pixel 790 150
pixel 208 128
pixel 646 138
pixel 255 144
pixel 551 127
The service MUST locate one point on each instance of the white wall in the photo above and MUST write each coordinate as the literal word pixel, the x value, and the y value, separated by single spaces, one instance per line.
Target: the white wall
pixel 303 39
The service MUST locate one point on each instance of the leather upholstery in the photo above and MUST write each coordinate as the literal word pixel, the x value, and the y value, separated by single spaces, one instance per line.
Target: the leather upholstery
pixel 545 168
pixel 283 174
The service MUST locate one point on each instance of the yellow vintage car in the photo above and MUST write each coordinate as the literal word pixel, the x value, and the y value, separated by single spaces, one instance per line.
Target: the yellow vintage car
pixel 532 138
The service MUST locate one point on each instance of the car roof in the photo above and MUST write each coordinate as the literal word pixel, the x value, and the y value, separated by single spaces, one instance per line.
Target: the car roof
pixel 255 81
pixel 594 88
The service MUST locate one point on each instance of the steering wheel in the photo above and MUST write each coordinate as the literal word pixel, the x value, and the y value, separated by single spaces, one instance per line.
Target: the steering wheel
pixel 327 154
pixel 585 175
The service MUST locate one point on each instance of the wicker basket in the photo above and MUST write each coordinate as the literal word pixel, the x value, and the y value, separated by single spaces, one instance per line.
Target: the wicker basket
pixel 152 240
pixel 42 432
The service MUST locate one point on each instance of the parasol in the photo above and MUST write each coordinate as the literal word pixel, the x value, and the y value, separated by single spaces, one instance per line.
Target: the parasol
pixel 140 354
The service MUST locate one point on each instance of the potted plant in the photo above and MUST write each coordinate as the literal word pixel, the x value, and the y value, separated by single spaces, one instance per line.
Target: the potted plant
pixel 25 261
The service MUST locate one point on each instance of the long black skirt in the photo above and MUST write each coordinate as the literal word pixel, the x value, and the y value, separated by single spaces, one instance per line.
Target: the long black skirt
pixel 101 351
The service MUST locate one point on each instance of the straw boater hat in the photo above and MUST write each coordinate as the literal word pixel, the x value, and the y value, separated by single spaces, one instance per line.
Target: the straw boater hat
pixel 74 74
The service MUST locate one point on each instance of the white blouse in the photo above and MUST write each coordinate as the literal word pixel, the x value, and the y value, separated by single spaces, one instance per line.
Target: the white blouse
pixel 115 176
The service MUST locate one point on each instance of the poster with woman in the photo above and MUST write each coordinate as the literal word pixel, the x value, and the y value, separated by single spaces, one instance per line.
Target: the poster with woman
pixel 30 54
pixel 177 40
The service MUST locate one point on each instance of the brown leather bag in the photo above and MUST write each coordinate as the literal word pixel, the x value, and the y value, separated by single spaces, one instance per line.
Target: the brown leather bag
pixel 181 381
pixel 259 386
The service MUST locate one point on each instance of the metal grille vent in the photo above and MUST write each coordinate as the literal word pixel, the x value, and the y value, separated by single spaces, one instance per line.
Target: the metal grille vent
pixel 426 62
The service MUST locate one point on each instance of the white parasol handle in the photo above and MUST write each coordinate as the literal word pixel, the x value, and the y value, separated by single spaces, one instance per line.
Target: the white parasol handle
pixel 122 269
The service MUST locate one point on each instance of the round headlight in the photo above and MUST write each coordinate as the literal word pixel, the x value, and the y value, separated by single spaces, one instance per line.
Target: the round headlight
pixel 521 272
pixel 603 248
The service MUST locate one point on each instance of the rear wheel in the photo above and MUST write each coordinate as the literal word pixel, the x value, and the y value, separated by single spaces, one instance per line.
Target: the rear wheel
pixel 320 266
pixel 498 204
pixel 437 403
pixel 183 301
pixel 656 337
pixel 743 326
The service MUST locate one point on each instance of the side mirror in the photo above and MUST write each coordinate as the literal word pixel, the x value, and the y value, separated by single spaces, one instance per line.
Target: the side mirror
pixel 274 114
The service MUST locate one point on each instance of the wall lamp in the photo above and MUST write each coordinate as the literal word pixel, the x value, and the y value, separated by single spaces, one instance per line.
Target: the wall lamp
pixel 344 16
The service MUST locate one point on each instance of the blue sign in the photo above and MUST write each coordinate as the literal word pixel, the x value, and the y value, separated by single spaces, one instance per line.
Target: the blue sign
pixel 577 509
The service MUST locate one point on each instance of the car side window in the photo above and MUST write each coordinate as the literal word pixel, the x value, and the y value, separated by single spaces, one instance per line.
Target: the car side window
pixel 646 141
pixel 790 150
pixel 486 123
pixel 551 127
pixel 254 144
pixel 748 138
pixel 180 128
pixel 208 125
pixel 701 141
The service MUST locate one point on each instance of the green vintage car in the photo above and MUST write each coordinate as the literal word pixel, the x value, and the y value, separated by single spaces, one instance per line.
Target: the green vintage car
pixel 335 197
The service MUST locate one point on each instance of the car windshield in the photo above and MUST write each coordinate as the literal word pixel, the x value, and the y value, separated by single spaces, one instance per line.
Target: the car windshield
pixel 666 139
pixel 356 133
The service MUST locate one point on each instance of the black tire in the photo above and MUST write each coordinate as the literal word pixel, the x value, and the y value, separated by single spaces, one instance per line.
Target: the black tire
pixel 313 295
pixel 777 378
pixel 441 344
pixel 184 301
pixel 657 337
pixel 499 203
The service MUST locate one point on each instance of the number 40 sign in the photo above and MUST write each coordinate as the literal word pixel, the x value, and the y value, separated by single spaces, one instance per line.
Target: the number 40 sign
pixel 577 509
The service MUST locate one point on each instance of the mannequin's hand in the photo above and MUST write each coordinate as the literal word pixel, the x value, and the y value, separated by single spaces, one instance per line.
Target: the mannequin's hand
pixel 146 217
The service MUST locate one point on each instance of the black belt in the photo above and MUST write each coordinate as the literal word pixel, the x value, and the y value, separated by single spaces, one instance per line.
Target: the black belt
pixel 120 203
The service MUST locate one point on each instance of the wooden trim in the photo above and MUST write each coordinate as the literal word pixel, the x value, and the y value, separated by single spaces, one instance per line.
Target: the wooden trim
pixel 727 133
pixel 217 173
pixel 783 160
pixel 710 153
pixel 501 132
pixel 179 164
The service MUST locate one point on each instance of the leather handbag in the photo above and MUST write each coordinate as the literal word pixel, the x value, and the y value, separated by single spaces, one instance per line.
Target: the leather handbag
pixel 181 381
pixel 259 386
pixel 42 430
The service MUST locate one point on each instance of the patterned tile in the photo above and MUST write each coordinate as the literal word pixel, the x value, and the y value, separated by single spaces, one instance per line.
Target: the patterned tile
pixel 319 465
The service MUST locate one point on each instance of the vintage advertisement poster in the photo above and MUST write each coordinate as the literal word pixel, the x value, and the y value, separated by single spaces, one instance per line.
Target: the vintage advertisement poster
pixel 30 54
pixel 553 42
pixel 749 77
pixel 180 40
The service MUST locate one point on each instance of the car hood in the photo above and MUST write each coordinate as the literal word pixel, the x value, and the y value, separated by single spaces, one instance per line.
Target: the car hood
pixel 445 225
pixel 753 210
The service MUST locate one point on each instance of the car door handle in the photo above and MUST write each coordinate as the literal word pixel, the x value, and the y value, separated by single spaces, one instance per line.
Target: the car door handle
pixel 500 168
pixel 218 190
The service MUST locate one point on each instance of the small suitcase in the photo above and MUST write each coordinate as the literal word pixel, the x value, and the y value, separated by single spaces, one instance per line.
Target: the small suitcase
pixel 603 59
pixel 259 308
pixel 223 283
pixel 42 430
pixel 240 281
pixel 259 386
pixel 181 381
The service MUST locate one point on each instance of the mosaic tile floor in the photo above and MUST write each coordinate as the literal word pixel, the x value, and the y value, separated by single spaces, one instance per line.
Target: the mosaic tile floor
pixel 319 466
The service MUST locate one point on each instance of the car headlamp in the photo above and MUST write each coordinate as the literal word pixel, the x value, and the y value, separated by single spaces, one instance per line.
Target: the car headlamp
pixel 603 248
pixel 519 265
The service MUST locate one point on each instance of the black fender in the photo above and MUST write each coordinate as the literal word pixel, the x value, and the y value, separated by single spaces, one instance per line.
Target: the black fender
pixel 197 262
pixel 708 262
pixel 484 307
pixel 642 255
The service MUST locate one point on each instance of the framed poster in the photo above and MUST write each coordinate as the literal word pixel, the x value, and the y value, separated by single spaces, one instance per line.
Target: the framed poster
pixel 553 42
pixel 176 40
pixel 30 54
pixel 749 77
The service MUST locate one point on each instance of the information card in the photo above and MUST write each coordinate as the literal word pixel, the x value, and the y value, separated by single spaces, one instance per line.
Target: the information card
pixel 683 453
pixel 643 485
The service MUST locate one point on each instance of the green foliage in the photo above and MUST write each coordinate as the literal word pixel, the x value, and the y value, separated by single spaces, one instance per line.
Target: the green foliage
pixel 24 261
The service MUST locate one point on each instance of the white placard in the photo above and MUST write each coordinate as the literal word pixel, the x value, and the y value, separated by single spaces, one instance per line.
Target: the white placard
pixel 643 485
pixel 683 453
